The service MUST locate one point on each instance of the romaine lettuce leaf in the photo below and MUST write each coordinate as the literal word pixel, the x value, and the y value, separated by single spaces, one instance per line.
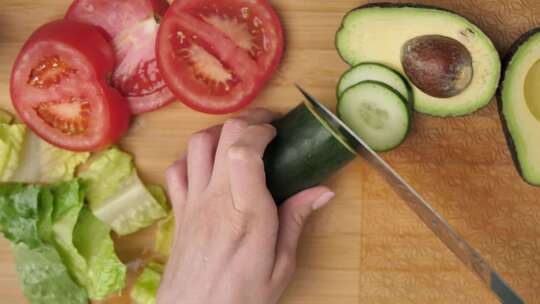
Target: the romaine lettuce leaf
pixel 106 273
pixel 44 278
pixel 165 235
pixel 67 204
pixel 105 175
pixel 84 243
pixel 42 162
pixel 42 217
pixel 19 214
pixel 117 196
pixel 26 218
pixel 159 194
pixel 145 289
pixel 11 142
pixel 5 117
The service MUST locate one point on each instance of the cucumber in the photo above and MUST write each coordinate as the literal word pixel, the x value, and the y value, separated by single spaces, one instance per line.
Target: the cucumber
pixel 377 113
pixel 304 153
pixel 375 72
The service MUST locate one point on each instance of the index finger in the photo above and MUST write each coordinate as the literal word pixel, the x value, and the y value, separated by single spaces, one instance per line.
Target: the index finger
pixel 231 132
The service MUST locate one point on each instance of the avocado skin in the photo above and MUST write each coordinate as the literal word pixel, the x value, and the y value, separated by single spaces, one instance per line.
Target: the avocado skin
pixel 392 5
pixel 505 63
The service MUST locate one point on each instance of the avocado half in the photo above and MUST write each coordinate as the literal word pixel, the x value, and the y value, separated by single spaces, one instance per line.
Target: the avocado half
pixel 377 33
pixel 519 105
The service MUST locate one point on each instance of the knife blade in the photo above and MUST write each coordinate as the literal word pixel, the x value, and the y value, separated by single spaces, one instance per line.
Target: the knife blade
pixel 440 227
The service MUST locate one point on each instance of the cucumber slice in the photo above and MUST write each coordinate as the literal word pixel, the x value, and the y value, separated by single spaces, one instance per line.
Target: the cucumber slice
pixel 375 72
pixel 377 113
pixel 305 152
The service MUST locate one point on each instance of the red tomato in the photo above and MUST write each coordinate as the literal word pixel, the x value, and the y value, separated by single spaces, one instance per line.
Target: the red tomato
pixel 216 55
pixel 59 87
pixel 132 26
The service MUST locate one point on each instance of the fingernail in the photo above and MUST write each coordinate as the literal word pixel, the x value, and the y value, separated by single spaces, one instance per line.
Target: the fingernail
pixel 323 200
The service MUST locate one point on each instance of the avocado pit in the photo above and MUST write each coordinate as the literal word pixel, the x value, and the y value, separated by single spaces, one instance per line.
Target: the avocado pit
pixel 439 66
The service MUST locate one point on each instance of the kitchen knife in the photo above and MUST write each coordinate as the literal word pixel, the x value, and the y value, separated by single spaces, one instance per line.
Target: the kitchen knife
pixel 467 254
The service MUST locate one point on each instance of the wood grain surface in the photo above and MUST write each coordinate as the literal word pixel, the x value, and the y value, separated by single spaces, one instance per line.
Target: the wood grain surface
pixel 366 247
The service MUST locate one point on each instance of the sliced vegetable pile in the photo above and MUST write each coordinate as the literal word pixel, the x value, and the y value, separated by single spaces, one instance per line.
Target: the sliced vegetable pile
pixel 437 62
pixel 59 87
pixel 217 55
pixel 452 68
pixel 451 64
pixel 132 28
pixel 61 232
pixel 25 158
pixel 117 196
pixel 75 84
pixel 77 81
pixel 376 103
pixel 63 253
pixel 380 115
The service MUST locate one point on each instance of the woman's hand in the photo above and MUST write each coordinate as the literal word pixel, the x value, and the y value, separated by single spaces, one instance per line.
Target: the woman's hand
pixel 232 245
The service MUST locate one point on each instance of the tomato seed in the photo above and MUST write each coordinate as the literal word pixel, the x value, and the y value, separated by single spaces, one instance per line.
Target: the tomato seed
pixel 70 116
pixel 49 71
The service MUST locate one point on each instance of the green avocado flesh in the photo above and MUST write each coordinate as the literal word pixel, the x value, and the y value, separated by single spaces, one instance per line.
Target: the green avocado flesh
pixel 519 103
pixel 377 33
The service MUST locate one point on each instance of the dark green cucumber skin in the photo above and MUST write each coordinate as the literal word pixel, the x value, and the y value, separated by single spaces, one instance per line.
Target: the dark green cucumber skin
pixel 500 105
pixel 303 154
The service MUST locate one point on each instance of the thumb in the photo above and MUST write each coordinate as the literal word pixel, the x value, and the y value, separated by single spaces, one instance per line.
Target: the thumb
pixel 292 216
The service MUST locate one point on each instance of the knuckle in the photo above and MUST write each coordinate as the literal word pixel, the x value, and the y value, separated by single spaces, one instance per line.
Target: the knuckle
pixel 239 227
pixel 242 153
pixel 235 124
pixel 298 218
pixel 201 137
pixel 173 169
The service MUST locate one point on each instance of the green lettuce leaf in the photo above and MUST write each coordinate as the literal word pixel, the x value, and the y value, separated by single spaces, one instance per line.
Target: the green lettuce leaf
pixel 5 117
pixel 11 143
pixel 46 204
pixel 165 235
pixel 26 216
pixel 145 289
pixel 67 204
pixel 42 162
pixel 43 217
pixel 117 196
pixel 19 214
pixel 106 274
pixel 44 278
pixel 105 175
pixel 84 243
pixel 159 194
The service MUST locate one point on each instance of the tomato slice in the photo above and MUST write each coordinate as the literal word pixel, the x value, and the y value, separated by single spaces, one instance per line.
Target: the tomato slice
pixel 59 87
pixel 216 55
pixel 132 27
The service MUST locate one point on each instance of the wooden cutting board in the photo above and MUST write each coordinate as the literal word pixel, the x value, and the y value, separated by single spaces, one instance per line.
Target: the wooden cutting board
pixel 366 247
